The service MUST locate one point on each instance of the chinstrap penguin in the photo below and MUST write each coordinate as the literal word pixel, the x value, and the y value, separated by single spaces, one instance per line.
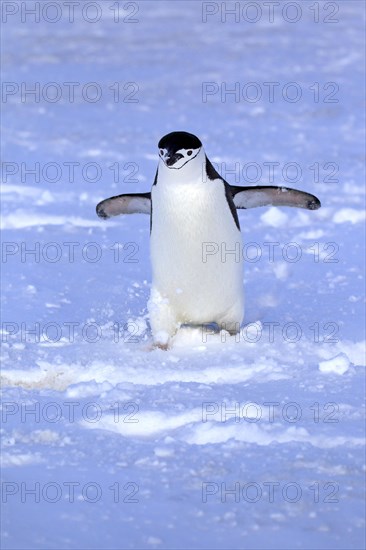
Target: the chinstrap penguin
pixel 192 214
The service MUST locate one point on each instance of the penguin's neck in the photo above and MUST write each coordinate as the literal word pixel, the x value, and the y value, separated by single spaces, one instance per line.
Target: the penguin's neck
pixel 192 172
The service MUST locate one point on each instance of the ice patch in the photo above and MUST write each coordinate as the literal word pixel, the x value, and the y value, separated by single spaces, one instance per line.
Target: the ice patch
pixel 349 215
pixel 82 390
pixel 145 423
pixel 311 234
pixel 39 196
pixel 281 270
pixel 21 219
pixel 274 217
pixel 22 459
pixel 211 432
pixel 338 364
pixel 158 367
pixel 355 351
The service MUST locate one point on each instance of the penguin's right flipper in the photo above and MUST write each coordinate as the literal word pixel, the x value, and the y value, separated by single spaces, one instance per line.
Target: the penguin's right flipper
pixel 134 203
pixel 265 195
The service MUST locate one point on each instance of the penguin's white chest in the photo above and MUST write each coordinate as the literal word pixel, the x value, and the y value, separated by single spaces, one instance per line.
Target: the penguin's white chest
pixel 195 252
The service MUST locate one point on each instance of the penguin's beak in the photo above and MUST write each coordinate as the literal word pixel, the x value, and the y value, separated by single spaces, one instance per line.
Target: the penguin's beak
pixel 171 160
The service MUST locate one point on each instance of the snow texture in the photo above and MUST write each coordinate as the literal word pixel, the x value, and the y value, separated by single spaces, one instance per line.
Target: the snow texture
pixel 251 441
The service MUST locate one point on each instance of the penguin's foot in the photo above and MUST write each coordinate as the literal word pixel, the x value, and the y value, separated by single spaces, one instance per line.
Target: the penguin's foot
pixel 162 340
pixel 156 345
pixel 159 345
pixel 162 319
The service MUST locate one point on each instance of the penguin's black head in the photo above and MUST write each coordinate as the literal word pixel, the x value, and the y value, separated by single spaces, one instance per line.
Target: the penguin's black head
pixel 178 148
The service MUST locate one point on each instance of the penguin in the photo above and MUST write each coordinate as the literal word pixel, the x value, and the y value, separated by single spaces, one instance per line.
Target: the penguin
pixel 195 237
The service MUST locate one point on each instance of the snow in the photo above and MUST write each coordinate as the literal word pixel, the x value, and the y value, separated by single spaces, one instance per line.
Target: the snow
pixel 274 217
pixel 247 441
pixel 338 364
pixel 345 215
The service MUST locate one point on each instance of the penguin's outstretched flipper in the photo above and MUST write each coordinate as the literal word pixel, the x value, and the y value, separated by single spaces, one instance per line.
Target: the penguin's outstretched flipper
pixel 133 203
pixel 266 195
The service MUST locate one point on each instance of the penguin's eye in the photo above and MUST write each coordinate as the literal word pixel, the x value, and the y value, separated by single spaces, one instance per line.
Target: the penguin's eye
pixel 189 152
pixel 161 152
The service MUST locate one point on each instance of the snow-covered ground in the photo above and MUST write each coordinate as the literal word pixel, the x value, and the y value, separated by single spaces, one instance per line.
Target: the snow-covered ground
pixel 255 441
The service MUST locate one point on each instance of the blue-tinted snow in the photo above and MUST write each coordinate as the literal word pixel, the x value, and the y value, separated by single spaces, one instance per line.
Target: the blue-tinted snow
pixel 115 415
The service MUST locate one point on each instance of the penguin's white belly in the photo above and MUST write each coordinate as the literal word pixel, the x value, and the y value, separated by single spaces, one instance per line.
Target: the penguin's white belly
pixel 193 233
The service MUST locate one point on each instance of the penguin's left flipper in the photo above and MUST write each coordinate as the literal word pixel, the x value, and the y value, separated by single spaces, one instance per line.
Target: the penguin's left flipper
pixel 265 195
pixel 134 203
